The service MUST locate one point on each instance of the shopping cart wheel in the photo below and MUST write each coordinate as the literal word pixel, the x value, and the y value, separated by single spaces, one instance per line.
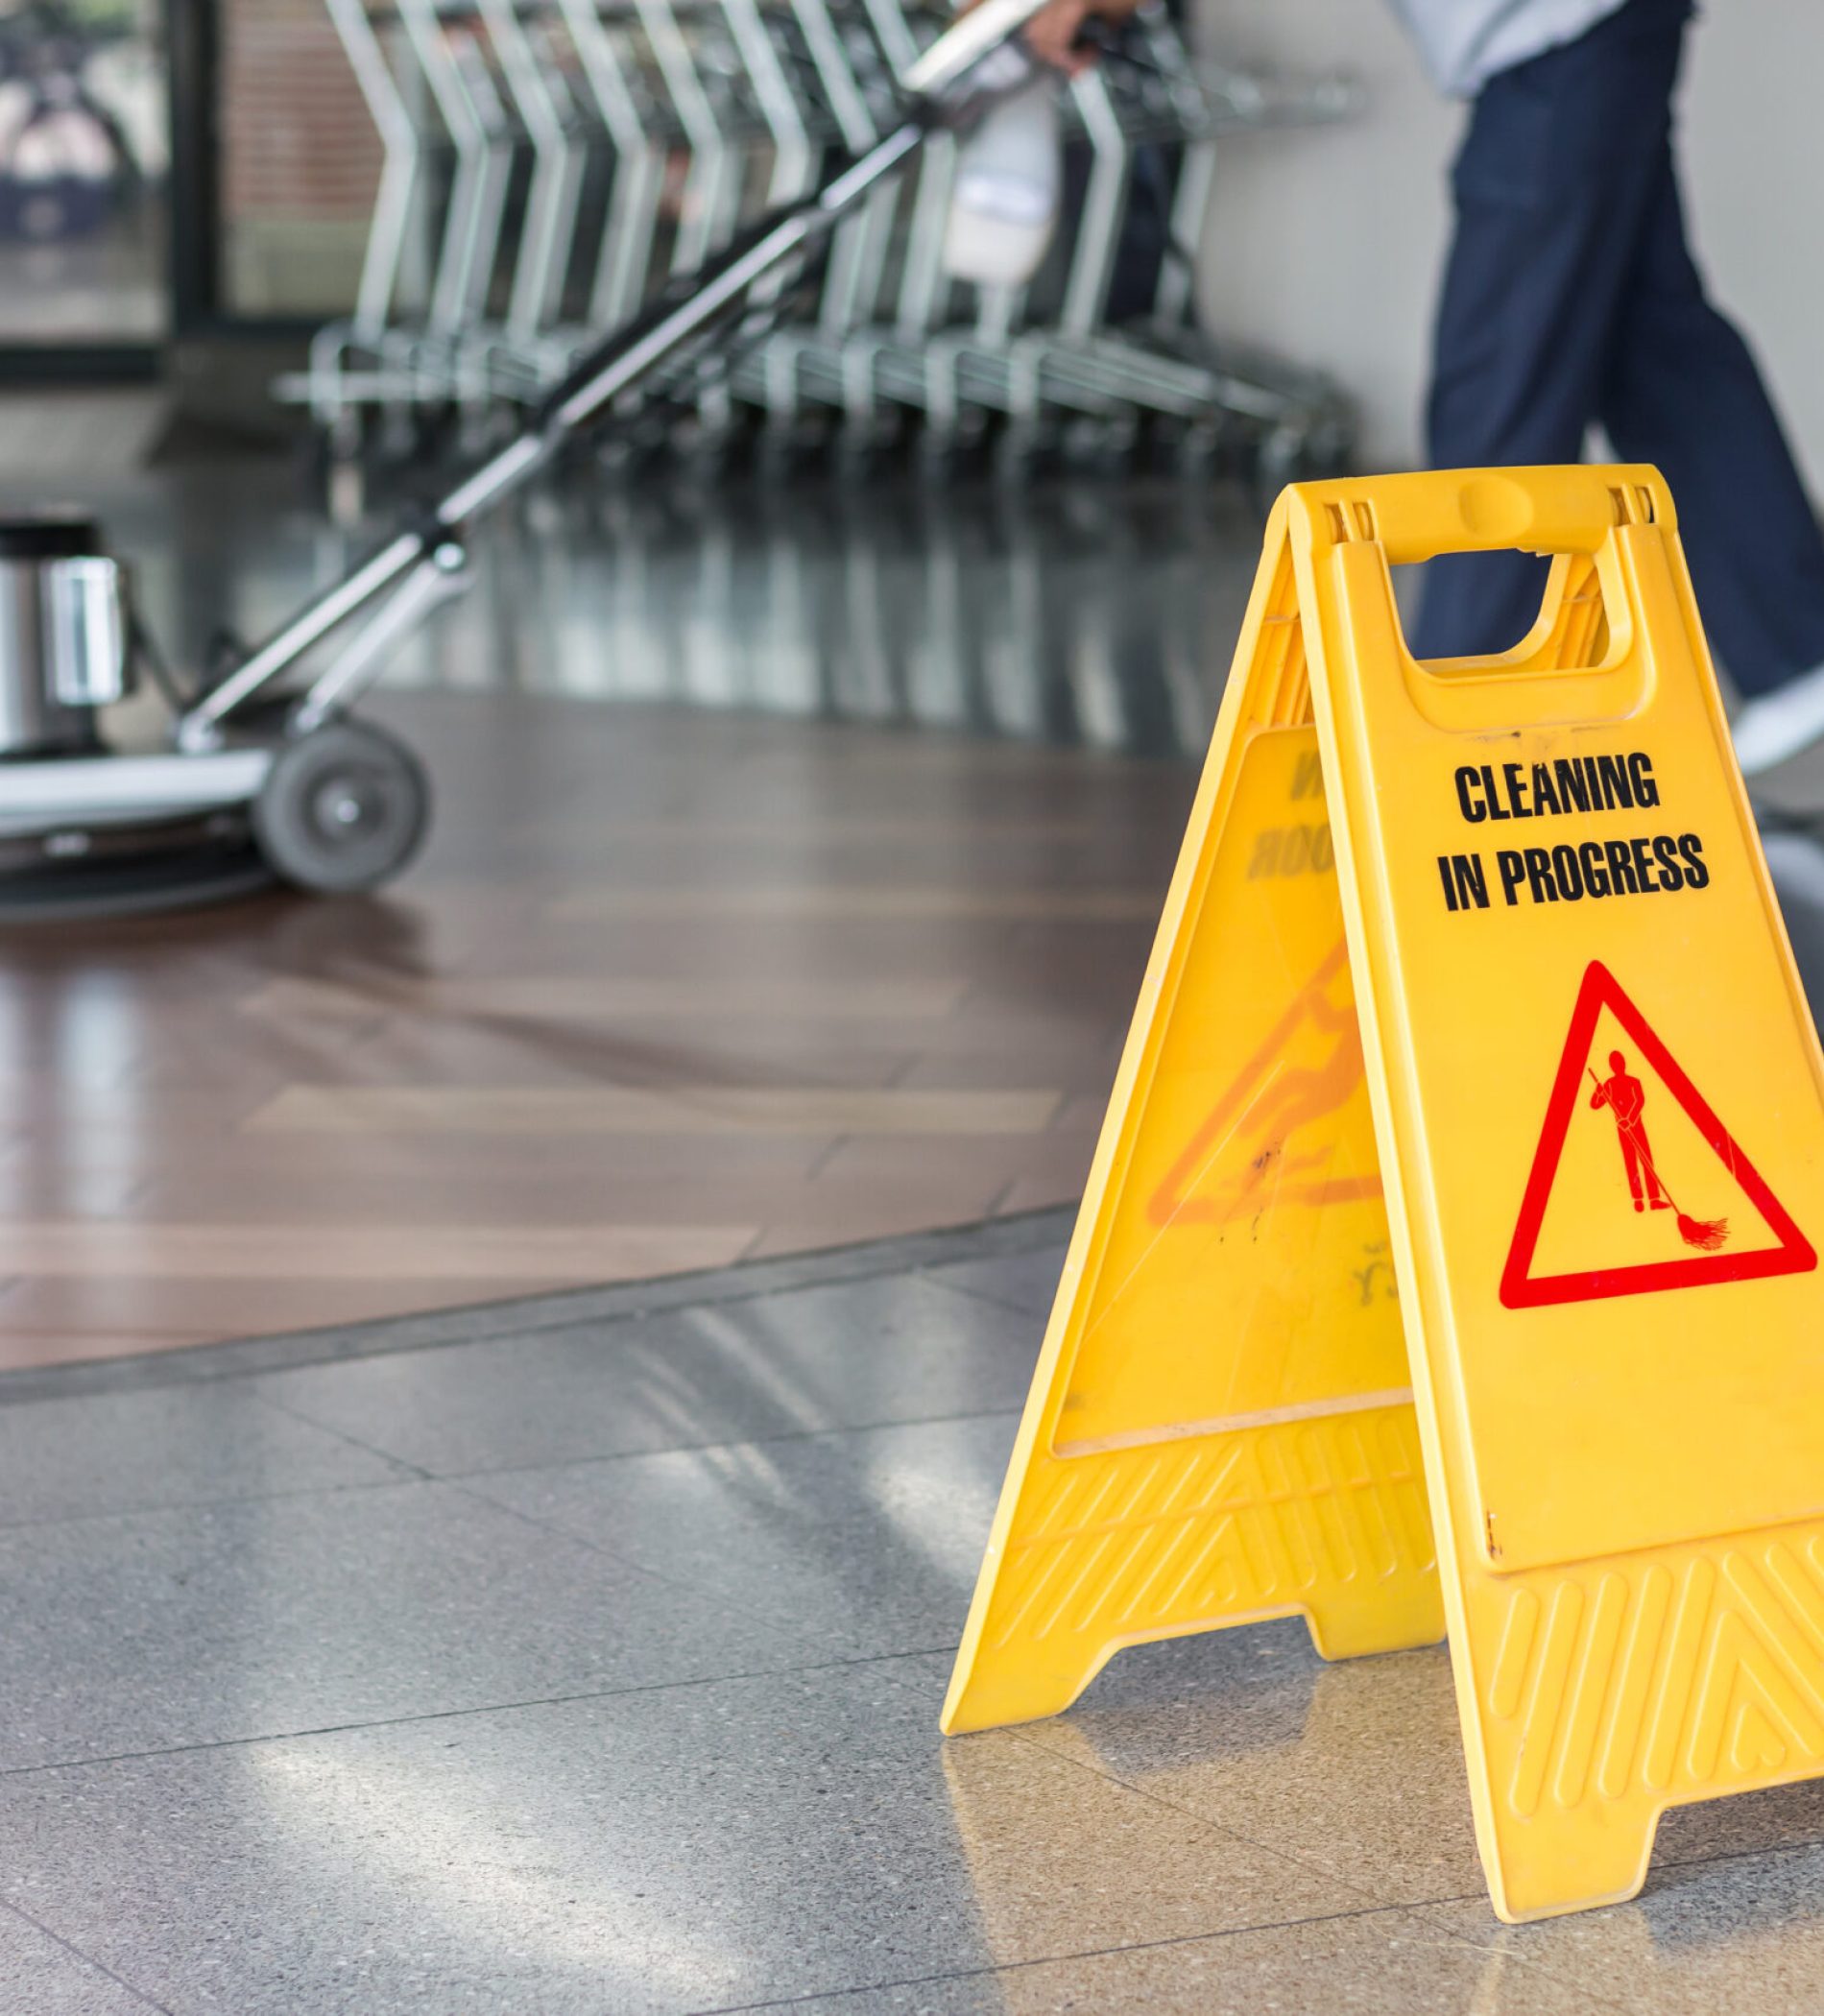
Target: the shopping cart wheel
pixel 342 809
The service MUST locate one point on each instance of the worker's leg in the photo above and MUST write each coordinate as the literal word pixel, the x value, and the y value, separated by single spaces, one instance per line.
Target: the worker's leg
pixel 1643 1148
pixel 1631 1159
pixel 1554 186
pixel 1682 391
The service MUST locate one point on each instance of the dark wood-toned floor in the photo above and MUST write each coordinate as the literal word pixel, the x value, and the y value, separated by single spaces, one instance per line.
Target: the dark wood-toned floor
pixel 681 978
pixel 668 987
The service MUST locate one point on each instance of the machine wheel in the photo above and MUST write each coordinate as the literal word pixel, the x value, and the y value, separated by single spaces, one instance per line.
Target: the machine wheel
pixel 342 809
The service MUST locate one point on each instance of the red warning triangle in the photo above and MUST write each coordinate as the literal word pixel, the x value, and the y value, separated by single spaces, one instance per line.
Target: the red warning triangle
pixel 1521 1289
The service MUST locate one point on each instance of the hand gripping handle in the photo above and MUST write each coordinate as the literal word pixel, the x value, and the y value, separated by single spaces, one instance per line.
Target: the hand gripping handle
pixel 964 44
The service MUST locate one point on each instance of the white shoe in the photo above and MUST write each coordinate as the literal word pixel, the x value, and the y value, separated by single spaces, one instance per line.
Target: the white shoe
pixel 1780 724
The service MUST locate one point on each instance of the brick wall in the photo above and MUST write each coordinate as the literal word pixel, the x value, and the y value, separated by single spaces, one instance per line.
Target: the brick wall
pixel 299 159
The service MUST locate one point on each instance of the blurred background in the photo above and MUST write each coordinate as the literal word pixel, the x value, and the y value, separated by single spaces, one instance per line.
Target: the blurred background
pixel 198 182
pixel 810 753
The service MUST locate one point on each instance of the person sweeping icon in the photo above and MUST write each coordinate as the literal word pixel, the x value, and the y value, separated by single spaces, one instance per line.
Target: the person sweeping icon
pixel 1625 1097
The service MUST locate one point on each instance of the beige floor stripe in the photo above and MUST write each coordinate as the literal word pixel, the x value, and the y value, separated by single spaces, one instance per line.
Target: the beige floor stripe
pixel 860 902
pixel 682 1109
pixel 548 997
pixel 85 1248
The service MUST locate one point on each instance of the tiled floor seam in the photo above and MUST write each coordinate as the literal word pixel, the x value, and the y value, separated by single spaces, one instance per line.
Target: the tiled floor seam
pixel 605 1553
pixel 1659 1865
pixel 1513 1951
pixel 995 1205
pixel 87 1960
pixel 202 1504
pixel 458 1478
pixel 903 1254
pixel 478 1708
pixel 508 1334
pixel 920 1270
pixel 1018 1733
pixel 419 1474
pixel 628 1561
pixel 1331 1874
pixel 1305 1861
pixel 1051 1960
pixel 1202 1819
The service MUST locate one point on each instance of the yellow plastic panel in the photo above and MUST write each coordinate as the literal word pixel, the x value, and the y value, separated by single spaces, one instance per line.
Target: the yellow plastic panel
pixel 1221 1427
pixel 1601 1115
pixel 1598 1109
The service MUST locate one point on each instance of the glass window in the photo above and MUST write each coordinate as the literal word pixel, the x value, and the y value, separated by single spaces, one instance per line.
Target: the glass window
pixel 84 130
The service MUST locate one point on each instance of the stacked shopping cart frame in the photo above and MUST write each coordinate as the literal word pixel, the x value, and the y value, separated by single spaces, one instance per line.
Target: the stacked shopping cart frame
pixel 553 166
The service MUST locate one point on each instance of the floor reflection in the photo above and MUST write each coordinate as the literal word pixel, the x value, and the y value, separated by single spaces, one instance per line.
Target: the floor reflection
pixel 1083 612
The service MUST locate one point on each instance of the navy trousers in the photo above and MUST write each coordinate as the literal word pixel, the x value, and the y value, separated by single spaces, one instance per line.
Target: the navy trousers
pixel 1571 296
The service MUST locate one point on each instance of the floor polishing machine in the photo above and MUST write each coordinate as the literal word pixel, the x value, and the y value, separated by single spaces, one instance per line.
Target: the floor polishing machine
pixel 266 774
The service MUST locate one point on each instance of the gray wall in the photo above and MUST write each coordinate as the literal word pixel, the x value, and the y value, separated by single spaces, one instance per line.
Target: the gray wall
pixel 1325 245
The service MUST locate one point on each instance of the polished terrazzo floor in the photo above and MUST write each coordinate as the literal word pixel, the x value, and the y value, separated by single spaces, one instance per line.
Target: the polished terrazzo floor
pixel 586 1654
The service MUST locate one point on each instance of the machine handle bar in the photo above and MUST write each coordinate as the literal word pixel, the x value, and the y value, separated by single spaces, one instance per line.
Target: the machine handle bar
pixel 935 84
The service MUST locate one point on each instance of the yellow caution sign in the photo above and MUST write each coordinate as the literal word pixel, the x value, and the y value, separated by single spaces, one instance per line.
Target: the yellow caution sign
pixel 1538 1229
